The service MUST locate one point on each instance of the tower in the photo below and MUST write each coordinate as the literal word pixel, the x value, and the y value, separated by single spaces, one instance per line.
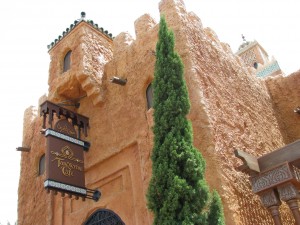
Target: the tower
pixel 76 73
pixel 77 62
pixel 255 56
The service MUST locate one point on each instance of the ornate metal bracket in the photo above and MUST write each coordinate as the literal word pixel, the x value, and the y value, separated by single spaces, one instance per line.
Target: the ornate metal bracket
pixel 93 194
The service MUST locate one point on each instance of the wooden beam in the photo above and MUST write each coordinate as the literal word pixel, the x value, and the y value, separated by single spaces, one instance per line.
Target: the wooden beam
pixel 289 153
pixel 249 161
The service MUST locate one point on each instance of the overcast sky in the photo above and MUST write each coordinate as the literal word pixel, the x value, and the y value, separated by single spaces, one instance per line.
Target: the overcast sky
pixel 28 26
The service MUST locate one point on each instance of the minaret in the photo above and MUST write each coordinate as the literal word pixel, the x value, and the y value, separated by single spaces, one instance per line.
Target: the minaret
pixel 254 55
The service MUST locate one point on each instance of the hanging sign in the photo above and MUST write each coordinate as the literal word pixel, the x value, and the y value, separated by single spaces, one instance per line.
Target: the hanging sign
pixel 65 151
pixel 64 162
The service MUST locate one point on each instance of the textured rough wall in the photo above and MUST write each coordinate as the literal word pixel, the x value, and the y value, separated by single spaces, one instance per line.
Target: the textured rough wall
pixel 121 128
pixel 118 161
pixel 231 108
pixel 90 52
pixel 285 94
pixel 33 201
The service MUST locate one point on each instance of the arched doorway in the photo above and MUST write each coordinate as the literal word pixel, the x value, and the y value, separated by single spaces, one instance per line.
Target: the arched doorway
pixel 104 217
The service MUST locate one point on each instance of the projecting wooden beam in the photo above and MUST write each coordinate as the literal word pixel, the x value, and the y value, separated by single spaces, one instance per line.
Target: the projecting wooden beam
pixel 250 161
pixel 289 153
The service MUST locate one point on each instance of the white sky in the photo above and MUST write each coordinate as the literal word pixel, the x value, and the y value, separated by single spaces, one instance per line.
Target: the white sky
pixel 29 26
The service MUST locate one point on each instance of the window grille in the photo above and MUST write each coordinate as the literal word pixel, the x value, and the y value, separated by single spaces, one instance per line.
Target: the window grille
pixel 104 217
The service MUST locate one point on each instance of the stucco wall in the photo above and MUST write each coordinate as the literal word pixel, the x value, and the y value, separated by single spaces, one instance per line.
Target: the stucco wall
pixel 285 94
pixel 231 109
pixel 33 202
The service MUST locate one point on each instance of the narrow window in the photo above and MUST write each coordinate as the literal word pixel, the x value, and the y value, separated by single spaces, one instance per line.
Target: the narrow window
pixel 149 95
pixel 67 61
pixel 255 65
pixel 42 165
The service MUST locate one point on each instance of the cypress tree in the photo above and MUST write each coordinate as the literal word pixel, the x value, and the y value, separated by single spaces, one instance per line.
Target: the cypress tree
pixel 177 192
pixel 215 214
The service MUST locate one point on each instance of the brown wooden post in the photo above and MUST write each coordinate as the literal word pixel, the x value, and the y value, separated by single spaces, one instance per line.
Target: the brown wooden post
pixel 272 202
pixel 293 204
pixel 274 210
pixel 289 193
pixel 275 174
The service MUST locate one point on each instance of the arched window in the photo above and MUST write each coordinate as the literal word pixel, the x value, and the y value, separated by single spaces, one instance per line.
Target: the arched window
pixel 104 217
pixel 67 61
pixel 149 96
pixel 42 165
pixel 255 65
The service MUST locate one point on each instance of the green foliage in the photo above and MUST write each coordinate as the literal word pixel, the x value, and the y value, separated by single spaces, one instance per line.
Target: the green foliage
pixel 216 215
pixel 177 192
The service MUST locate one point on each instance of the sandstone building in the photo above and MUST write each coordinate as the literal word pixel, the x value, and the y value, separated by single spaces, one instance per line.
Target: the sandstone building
pixel 230 109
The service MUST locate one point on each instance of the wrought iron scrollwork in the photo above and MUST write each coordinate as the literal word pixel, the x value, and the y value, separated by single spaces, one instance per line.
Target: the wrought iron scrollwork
pixel 104 217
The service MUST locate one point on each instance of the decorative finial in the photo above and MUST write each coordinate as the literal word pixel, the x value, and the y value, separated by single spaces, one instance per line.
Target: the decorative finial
pixel 244 39
pixel 82 15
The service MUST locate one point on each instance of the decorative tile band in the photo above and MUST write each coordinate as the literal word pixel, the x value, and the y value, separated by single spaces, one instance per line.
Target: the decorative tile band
pixel 64 187
pixel 268 70
pixel 64 137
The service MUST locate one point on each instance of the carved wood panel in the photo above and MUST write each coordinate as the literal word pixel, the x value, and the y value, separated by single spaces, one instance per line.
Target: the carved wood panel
pixel 272 178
